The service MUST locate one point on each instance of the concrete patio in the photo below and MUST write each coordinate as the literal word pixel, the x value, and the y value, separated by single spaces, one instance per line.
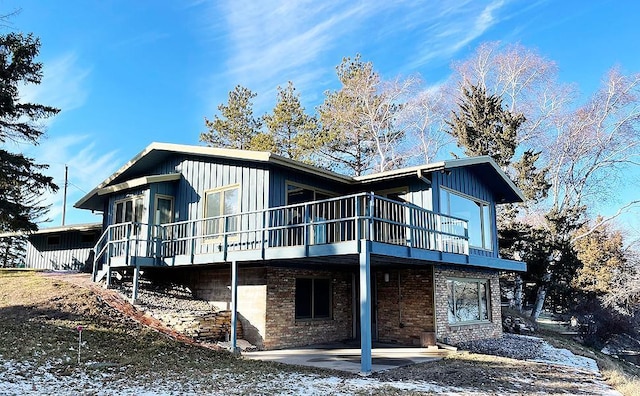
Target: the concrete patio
pixel 345 357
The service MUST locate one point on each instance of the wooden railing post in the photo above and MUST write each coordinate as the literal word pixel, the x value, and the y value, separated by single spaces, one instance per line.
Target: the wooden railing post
pixel 358 226
pixel 411 224
pixel 307 220
pixel 439 241
pixel 263 234
pixel 194 230
pixel 127 246
pixel 371 212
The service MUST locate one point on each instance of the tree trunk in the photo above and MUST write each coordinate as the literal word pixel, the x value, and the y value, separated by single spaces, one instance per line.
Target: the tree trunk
pixel 517 293
pixel 540 296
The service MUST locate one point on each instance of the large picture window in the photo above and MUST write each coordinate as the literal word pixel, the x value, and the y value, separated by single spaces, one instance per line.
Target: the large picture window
pixel 313 298
pixel 468 300
pixel 477 213
pixel 225 202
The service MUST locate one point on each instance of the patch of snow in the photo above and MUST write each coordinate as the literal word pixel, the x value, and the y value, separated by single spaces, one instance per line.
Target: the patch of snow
pixel 565 357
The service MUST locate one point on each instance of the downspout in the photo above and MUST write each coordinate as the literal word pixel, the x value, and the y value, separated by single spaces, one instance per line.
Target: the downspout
pixel 421 177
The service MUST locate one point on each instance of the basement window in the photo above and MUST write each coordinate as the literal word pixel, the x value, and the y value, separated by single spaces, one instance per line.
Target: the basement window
pixel 313 298
pixel 468 300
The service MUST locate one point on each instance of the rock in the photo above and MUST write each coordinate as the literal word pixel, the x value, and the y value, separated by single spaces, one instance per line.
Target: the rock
pixel 516 325
pixel 175 307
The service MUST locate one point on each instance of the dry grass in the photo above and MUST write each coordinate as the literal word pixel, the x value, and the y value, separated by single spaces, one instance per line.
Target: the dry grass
pixel 622 376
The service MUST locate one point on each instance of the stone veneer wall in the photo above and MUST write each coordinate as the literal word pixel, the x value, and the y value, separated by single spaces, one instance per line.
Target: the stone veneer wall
pixel 404 305
pixel 459 333
pixel 213 285
pixel 283 330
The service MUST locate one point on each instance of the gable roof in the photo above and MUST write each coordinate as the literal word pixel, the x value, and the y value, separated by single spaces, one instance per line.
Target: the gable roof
pixel 128 175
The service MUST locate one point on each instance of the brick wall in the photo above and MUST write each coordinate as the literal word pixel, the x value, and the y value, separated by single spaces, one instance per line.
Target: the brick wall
pixel 404 305
pixel 283 330
pixel 453 334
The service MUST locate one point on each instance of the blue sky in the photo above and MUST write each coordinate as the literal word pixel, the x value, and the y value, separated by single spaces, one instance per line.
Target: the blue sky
pixel 126 73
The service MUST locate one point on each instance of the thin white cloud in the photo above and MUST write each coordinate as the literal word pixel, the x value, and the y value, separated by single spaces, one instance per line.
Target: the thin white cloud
pixel 88 166
pixel 63 84
pixel 269 42
pixel 270 39
pixel 454 28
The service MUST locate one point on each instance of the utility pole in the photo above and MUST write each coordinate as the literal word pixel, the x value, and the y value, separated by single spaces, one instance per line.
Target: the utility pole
pixel 64 198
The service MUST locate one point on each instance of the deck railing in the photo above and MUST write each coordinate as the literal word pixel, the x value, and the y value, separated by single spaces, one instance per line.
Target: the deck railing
pixel 335 220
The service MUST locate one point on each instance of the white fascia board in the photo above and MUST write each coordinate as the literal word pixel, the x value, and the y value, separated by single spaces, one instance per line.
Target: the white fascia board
pixel 140 181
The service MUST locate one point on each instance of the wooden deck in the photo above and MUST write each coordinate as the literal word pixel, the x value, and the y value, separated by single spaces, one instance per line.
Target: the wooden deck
pixel 315 230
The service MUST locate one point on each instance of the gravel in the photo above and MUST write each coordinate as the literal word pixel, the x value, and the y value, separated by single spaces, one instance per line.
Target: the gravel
pixel 166 298
pixel 510 345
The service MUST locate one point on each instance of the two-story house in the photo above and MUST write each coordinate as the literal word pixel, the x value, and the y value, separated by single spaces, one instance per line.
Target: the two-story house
pixel 302 255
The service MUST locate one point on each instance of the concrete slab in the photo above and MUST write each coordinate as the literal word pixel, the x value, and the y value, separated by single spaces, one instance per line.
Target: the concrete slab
pixel 346 358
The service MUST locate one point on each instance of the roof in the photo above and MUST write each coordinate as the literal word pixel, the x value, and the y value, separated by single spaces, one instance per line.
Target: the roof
pixel 503 186
pixel 58 230
pixel 155 153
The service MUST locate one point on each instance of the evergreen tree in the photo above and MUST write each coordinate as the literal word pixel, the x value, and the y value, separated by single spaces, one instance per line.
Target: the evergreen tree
pixel 20 176
pixel 483 127
pixel 290 131
pixel 601 253
pixel 236 127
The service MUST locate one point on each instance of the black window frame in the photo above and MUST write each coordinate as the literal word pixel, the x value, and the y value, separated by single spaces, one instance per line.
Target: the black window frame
pixel 313 298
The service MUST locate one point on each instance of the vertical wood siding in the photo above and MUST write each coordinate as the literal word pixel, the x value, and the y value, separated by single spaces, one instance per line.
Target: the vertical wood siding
pixel 70 254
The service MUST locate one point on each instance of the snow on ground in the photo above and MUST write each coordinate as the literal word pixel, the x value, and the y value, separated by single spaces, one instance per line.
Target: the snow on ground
pixel 23 378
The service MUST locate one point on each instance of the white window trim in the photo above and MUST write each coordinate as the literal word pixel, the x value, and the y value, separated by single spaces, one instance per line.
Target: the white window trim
pixel 131 198
pixel 157 197
pixel 483 223
pixel 210 239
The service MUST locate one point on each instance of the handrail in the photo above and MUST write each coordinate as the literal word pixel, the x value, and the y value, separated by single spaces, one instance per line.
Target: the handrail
pixel 337 219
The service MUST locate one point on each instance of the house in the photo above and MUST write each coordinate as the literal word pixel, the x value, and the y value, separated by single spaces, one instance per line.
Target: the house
pixel 59 248
pixel 302 255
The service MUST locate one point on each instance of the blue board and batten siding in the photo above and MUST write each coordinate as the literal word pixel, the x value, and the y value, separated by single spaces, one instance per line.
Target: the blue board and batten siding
pixel 66 250
pixel 200 175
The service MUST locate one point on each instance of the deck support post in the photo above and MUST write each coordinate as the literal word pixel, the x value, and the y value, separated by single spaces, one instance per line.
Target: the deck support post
pixel 107 282
pixel 136 281
pixel 365 307
pixel 234 307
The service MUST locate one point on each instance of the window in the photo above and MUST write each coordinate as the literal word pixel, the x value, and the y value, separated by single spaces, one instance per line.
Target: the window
pixel 225 202
pixel 89 237
pixel 129 210
pixel 467 300
pixel 53 240
pixel 164 210
pixel 313 298
pixel 477 213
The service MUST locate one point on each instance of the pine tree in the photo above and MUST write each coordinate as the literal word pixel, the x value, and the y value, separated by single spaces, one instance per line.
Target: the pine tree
pixel 290 131
pixel 20 176
pixel 236 127
pixel 359 132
